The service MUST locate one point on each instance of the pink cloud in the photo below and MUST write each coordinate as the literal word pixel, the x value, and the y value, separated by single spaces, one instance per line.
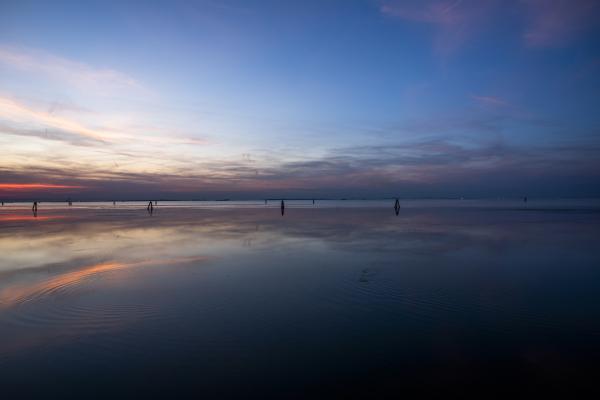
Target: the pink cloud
pixel 555 23
pixel 490 101
pixel 445 12
pixel 71 72
pixel 548 23
pixel 455 21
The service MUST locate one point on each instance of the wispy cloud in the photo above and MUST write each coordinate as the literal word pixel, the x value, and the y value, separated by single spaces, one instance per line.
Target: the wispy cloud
pixel 17 118
pixel 557 22
pixel 77 74
pixel 454 21
pixel 435 164
pixel 35 186
pixel 17 113
pixel 490 101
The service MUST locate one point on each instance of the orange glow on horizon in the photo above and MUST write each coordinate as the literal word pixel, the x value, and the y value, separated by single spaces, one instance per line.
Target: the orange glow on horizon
pixel 35 186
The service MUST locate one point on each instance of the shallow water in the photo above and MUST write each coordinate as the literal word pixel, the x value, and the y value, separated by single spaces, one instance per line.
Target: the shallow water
pixel 341 298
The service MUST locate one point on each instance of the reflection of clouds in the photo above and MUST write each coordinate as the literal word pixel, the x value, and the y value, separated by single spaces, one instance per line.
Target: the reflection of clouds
pixel 23 292
pixel 28 217
pixel 35 300
pixel 15 294
pixel 125 235
pixel 61 273
pixel 87 241
pixel 128 236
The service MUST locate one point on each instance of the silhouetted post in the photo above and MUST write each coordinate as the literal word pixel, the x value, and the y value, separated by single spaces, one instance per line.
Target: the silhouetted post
pixel 282 207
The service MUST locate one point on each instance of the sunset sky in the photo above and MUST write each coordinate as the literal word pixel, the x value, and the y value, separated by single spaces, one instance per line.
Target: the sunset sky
pixel 317 98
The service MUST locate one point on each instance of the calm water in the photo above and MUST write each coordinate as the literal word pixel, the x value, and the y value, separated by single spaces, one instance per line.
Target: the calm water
pixel 342 298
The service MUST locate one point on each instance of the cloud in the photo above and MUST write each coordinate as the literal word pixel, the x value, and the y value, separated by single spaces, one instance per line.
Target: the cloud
pixel 441 166
pixel 18 113
pixel 35 186
pixel 556 23
pixel 454 21
pixel 17 118
pixel 52 134
pixel 490 101
pixel 547 23
pixel 77 74
pixel 444 152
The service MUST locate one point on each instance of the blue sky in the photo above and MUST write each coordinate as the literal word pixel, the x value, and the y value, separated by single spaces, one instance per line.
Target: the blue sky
pixel 323 98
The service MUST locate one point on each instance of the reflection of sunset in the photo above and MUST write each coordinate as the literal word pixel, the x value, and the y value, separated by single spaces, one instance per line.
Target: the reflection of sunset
pixel 81 235
pixel 16 217
pixel 19 294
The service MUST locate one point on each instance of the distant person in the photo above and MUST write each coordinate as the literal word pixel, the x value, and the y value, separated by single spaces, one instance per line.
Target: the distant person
pixel 35 207
pixel 265 202
pixel 525 199
pixel 313 202
pixel 397 206
pixel 155 202
pixel 150 207
pixel 282 207
pixel 114 203
pixel 2 204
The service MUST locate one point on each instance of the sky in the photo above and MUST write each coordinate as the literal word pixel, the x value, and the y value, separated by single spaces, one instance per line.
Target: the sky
pixel 316 98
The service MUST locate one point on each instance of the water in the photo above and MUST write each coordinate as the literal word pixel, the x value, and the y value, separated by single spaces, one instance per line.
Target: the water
pixel 232 299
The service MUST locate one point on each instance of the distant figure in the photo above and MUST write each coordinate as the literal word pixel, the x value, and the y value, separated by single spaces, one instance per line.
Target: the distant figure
pixel 150 207
pixel 265 202
pixel 282 207
pixel 313 202
pixel 114 203
pixel 70 202
pixel 155 202
pixel 525 199
pixel 397 206
pixel 35 207
pixel 2 204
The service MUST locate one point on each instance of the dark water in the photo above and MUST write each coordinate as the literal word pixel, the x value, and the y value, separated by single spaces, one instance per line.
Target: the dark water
pixel 337 300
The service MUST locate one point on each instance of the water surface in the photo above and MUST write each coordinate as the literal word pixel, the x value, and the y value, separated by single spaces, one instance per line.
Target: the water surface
pixel 341 298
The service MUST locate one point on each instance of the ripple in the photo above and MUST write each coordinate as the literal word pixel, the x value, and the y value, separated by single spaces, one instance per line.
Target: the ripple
pixel 63 304
pixel 81 319
pixel 375 291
